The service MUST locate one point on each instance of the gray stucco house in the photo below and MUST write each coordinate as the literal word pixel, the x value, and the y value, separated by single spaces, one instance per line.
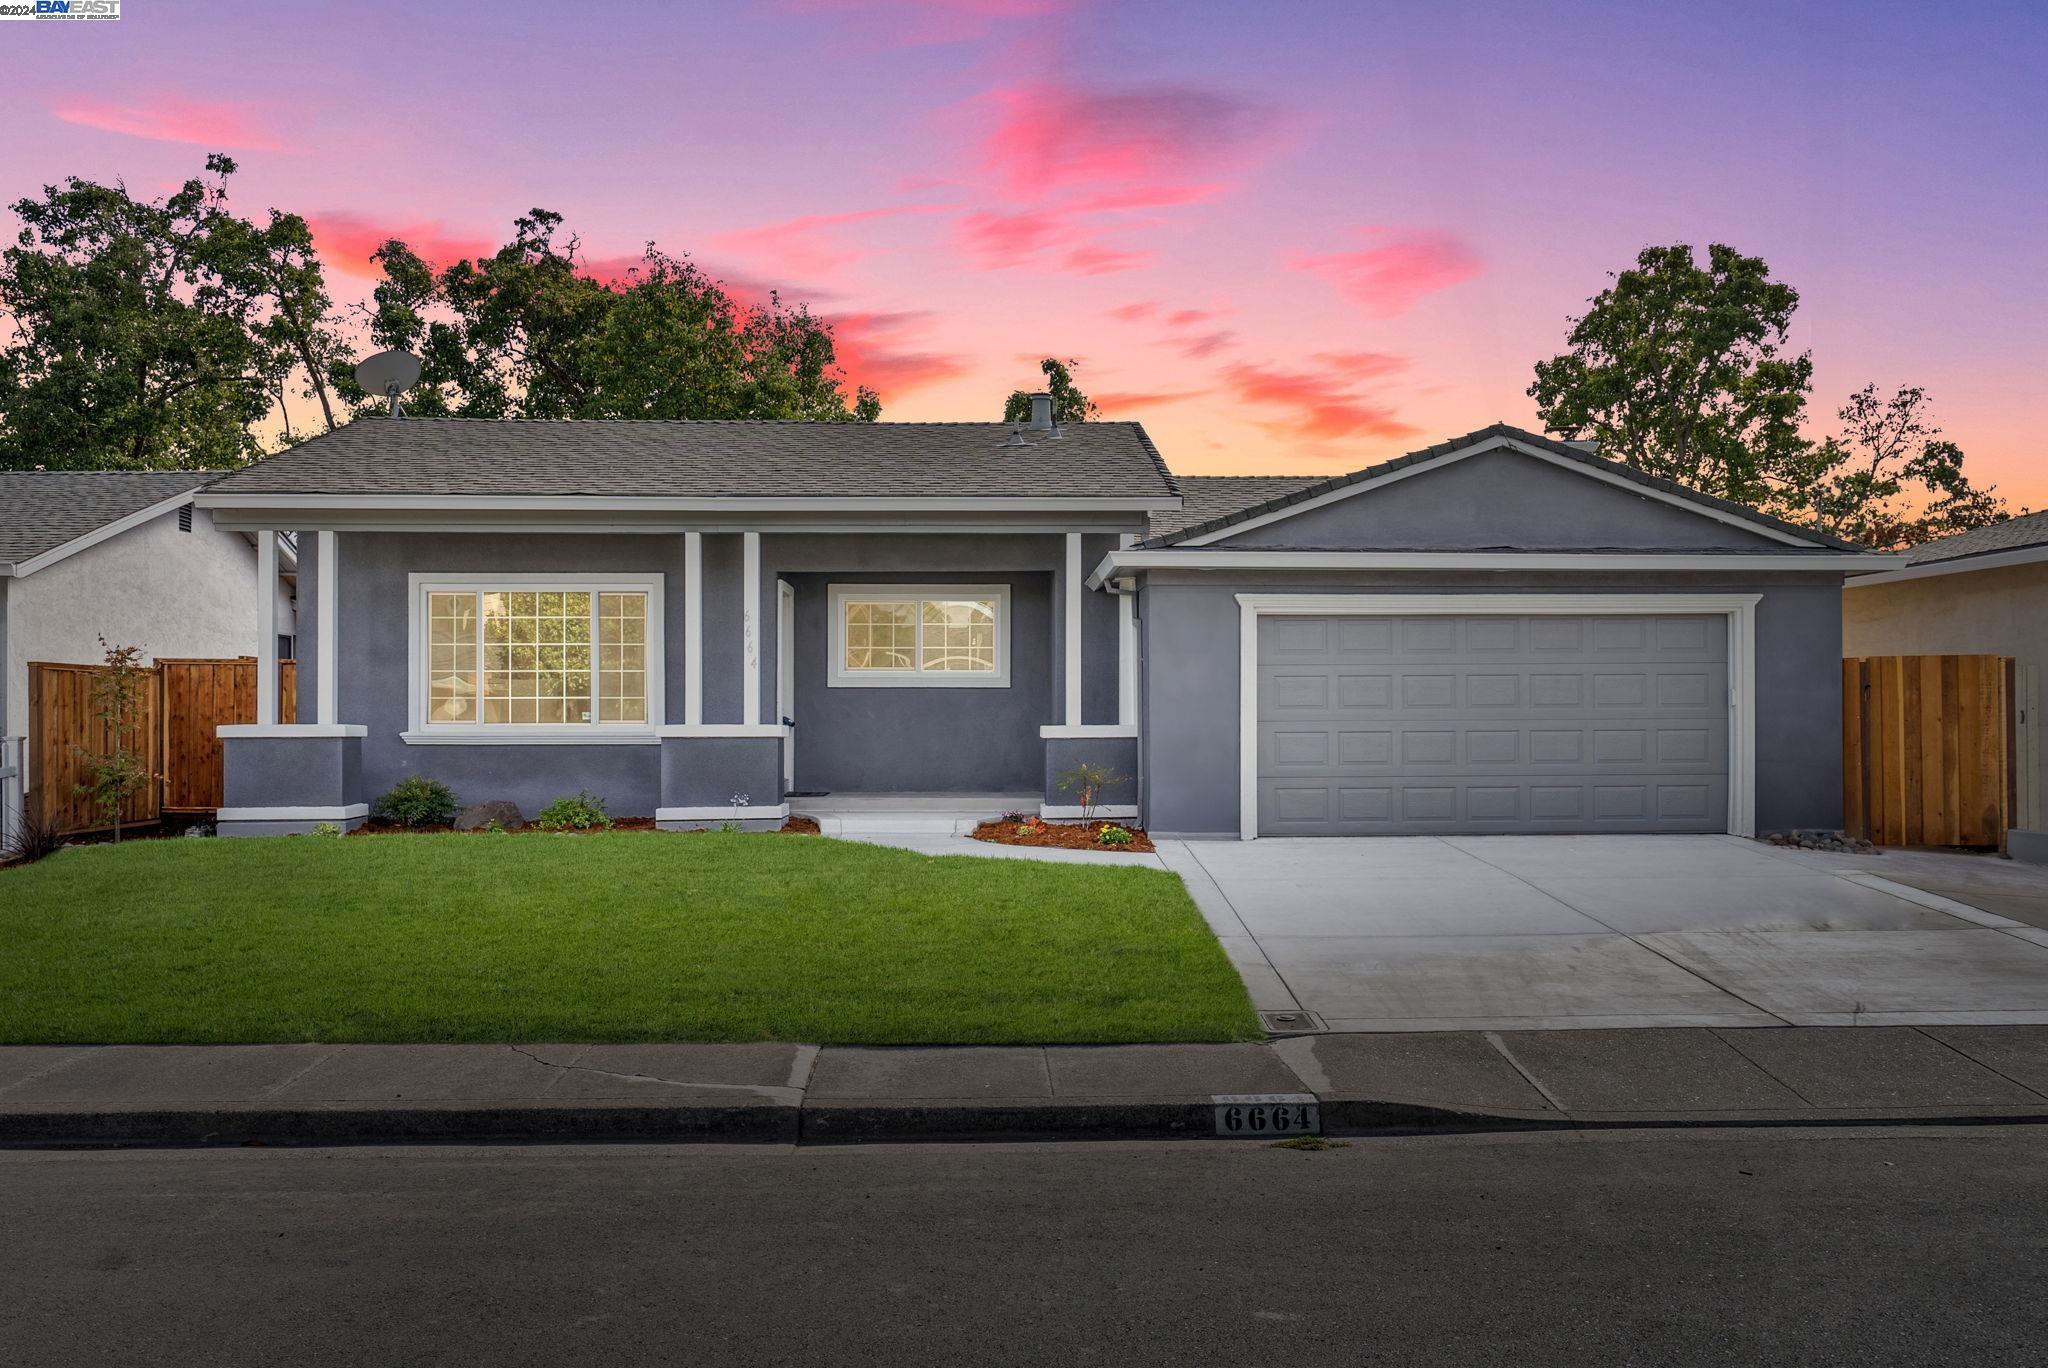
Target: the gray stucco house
pixel 1501 633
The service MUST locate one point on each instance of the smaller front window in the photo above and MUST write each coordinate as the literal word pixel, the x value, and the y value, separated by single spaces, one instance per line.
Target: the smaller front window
pixel 914 636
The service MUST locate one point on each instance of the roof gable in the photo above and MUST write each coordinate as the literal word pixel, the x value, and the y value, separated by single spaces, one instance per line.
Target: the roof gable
pixel 1501 489
pixel 43 510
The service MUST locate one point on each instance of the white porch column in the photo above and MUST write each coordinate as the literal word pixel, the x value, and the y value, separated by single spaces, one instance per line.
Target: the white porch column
pixel 266 629
pixel 327 594
pixel 1127 659
pixel 750 618
pixel 1073 629
pixel 693 628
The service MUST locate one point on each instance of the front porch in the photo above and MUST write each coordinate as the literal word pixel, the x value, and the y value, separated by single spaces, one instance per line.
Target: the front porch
pixel 920 678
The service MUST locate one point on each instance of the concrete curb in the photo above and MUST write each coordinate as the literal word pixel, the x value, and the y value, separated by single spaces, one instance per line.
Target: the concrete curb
pixel 787 1094
pixel 844 1121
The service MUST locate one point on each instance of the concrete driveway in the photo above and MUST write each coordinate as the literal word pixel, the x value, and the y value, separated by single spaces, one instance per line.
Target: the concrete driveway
pixel 1537 932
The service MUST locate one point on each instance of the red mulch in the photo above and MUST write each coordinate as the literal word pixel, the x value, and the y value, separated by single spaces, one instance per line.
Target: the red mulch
pixel 1061 835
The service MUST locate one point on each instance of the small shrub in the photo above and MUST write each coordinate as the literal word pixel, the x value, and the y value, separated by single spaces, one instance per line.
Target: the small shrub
pixel 584 812
pixel 324 829
pixel 1113 835
pixel 1087 781
pixel 1017 817
pixel 416 802
pixel 30 839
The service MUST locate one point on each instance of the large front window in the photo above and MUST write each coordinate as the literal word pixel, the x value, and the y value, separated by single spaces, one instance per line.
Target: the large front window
pixel 537 655
pixel 914 636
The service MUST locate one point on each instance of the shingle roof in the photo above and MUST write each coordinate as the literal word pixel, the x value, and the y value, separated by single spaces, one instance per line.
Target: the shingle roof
pixel 2016 534
pixel 40 510
pixel 711 459
pixel 1486 434
pixel 1209 497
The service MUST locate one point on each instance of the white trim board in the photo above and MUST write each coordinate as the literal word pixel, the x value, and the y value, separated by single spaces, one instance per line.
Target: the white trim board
pixel 420 732
pixel 722 729
pixel 552 503
pixel 1067 812
pixel 1740 610
pixel 1093 731
pixel 723 813
pixel 1960 565
pixel 288 731
pixel 292 814
pixel 1504 443
pixel 1728 562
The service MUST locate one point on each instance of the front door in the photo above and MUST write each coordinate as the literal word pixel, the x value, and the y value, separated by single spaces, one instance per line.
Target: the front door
pixel 785 676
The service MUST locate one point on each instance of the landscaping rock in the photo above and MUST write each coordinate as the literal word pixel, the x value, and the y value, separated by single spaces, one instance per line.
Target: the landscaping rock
pixel 1834 842
pixel 477 816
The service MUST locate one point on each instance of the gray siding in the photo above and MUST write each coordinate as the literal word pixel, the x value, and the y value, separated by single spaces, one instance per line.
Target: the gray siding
pixel 1189 623
pixel 1500 499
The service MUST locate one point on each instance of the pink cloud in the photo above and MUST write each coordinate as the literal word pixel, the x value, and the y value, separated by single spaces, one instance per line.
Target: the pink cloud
pixel 221 125
pixel 1135 312
pixel 1205 344
pixel 1120 401
pixel 1402 266
pixel 1052 134
pixel 346 242
pixel 869 349
pixel 809 245
pixel 1098 259
pixel 1319 405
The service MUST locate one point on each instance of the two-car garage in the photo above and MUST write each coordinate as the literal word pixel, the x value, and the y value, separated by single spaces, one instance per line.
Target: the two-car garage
pixel 1591 716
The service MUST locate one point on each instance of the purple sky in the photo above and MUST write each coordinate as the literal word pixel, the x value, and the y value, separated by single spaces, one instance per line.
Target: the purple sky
pixel 1287 237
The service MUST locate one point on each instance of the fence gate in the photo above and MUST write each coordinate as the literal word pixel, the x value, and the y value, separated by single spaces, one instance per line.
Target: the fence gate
pixel 179 704
pixel 63 729
pixel 1927 749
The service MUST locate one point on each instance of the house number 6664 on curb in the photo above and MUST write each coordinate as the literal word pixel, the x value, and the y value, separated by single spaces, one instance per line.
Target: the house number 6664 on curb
pixel 1250 1116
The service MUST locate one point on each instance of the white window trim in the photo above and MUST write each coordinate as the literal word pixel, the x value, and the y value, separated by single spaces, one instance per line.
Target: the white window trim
pixel 422 732
pixel 837 676
pixel 1740 610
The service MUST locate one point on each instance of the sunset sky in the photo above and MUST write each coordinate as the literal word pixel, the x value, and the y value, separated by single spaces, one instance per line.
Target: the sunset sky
pixel 1288 237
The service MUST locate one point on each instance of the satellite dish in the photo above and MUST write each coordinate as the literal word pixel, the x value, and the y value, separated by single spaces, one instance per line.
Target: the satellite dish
pixel 389 373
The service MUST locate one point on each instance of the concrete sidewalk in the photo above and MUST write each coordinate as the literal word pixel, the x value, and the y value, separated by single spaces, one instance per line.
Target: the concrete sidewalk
pixel 1446 1080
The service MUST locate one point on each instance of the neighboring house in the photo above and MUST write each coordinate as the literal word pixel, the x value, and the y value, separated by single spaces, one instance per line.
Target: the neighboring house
pixel 1977 593
pixel 1502 633
pixel 116 554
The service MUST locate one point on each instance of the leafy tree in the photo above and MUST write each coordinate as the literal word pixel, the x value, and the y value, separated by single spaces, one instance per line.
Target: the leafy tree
pixel 530 332
pixel 153 334
pixel 1889 479
pixel 118 773
pixel 1680 370
pixel 1069 405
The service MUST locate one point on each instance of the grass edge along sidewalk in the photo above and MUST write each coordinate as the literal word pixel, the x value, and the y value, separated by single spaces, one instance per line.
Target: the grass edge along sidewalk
pixel 621 937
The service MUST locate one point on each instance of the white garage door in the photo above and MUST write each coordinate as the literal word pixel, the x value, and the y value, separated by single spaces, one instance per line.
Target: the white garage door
pixel 1434 725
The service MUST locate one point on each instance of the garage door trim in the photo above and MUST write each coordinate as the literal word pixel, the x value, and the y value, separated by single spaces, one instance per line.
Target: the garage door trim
pixel 1740 610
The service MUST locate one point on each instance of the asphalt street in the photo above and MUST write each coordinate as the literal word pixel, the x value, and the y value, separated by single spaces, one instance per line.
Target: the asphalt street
pixel 1875 1246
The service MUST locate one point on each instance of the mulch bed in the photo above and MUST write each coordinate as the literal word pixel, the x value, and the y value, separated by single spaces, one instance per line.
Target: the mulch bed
pixel 1061 835
pixel 795 826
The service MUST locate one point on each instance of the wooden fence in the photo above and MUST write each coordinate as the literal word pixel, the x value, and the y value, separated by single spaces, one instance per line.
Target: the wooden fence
pixel 178 706
pixel 1926 749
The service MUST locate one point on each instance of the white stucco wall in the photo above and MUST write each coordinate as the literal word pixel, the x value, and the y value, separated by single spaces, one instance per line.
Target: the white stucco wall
pixel 2002 611
pixel 172 593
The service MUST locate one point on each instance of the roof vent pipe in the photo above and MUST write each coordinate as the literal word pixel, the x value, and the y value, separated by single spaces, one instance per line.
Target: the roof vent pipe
pixel 1041 412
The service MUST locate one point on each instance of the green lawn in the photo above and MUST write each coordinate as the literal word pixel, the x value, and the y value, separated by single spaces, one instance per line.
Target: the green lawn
pixel 620 937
